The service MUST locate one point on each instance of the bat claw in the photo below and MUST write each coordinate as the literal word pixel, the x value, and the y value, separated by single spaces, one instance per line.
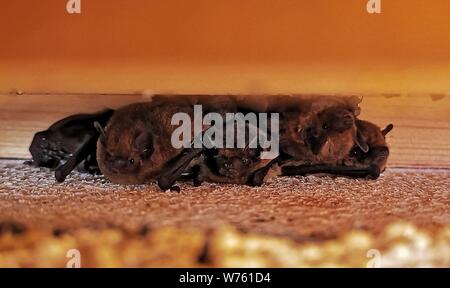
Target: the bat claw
pixel 60 176
pixel 164 184
pixel 257 178
pixel 374 172
pixel 197 182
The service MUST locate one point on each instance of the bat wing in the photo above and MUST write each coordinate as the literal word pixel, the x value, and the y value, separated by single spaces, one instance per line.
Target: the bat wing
pixel 176 167
pixel 68 142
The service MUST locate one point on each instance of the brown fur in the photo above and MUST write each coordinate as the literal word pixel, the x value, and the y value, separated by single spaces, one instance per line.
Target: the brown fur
pixel 324 133
pixel 228 165
pixel 378 152
pixel 358 163
pixel 303 139
pixel 134 131
pixel 141 128
pixel 301 124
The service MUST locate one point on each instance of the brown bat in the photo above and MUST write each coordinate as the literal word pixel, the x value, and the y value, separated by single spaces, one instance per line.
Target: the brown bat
pixel 216 165
pixel 321 136
pixel 358 163
pixel 227 165
pixel 136 143
pixel 378 151
pixel 69 142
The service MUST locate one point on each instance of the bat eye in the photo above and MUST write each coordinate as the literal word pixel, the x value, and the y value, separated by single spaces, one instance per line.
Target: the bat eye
pixel 356 152
pixel 245 160
pixel 325 126
pixel 131 161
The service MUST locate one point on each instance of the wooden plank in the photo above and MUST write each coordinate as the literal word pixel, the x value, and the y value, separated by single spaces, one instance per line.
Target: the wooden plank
pixel 420 139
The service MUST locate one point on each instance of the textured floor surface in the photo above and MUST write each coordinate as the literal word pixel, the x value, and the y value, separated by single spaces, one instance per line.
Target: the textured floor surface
pixel 304 208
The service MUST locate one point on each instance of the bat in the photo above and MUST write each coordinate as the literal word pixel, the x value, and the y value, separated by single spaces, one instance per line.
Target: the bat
pixel 136 143
pixel 335 123
pixel 376 156
pixel 359 163
pixel 227 165
pixel 324 133
pixel 217 165
pixel 68 142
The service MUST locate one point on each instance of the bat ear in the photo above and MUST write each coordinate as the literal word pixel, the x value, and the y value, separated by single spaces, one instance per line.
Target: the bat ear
pixel 255 152
pixel 353 102
pixel 361 142
pixel 102 134
pixel 388 129
pixel 355 110
pixel 144 143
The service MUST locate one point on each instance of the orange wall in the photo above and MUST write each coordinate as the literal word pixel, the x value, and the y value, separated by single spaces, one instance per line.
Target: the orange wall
pixel 163 45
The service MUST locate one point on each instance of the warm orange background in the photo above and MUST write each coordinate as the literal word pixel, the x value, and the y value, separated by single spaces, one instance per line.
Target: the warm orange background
pixel 399 60
pixel 225 46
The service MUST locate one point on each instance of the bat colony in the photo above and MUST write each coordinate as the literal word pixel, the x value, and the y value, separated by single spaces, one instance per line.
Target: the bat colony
pixel 134 145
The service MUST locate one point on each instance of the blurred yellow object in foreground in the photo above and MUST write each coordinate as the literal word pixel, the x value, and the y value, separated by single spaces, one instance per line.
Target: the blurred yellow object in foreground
pixel 400 245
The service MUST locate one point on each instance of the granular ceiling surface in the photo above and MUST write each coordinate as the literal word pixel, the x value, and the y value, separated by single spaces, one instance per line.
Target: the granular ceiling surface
pixel 302 208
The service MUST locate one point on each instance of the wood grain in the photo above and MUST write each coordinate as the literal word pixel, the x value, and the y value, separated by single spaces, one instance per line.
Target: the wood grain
pixel 421 137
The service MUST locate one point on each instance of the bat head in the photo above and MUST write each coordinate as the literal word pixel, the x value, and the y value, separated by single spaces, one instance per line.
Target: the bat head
pixel 377 151
pixel 232 162
pixel 123 148
pixel 330 123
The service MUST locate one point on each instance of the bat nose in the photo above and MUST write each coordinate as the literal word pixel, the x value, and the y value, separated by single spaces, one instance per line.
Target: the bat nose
pixel 383 152
pixel 121 163
pixel 117 164
pixel 313 133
